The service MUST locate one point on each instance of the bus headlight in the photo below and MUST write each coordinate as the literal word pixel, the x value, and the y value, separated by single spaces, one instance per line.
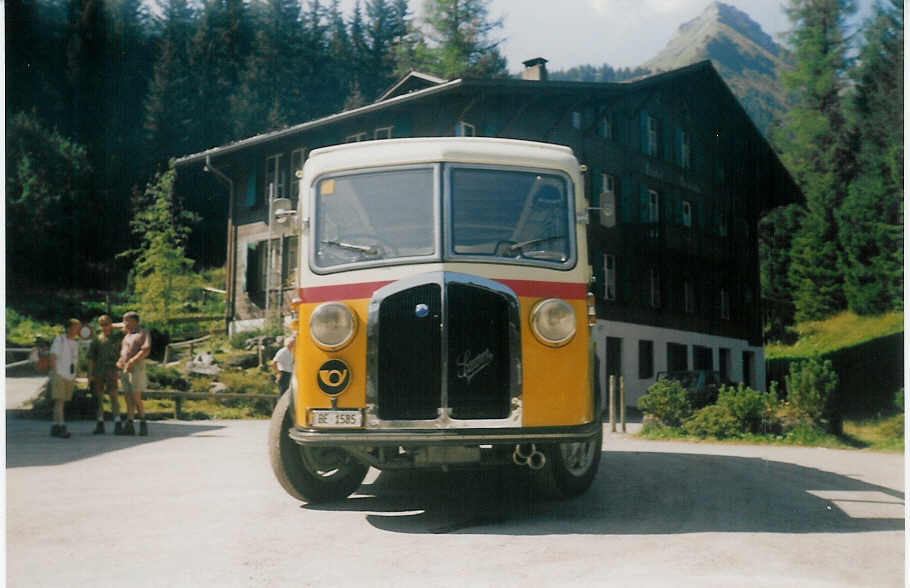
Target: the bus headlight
pixel 332 325
pixel 553 322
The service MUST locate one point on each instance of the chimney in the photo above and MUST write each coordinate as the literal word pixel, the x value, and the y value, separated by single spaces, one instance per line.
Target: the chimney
pixel 535 69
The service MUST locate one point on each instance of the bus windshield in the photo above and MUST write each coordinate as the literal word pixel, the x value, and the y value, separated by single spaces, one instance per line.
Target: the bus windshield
pixel 371 217
pixel 493 214
pixel 509 214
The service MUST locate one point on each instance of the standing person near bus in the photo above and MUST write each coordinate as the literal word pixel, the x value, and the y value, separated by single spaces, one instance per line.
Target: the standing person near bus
pixel 283 364
pixel 135 347
pixel 103 353
pixel 64 354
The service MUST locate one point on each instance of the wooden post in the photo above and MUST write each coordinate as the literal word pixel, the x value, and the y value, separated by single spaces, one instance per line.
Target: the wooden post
pixel 622 403
pixel 612 404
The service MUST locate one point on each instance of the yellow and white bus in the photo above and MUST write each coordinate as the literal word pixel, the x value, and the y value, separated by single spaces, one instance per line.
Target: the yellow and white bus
pixel 442 317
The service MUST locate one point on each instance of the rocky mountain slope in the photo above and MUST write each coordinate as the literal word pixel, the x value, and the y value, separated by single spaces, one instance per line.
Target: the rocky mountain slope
pixel 744 55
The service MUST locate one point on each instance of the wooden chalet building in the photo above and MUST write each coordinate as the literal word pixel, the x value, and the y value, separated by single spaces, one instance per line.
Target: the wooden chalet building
pixel 679 173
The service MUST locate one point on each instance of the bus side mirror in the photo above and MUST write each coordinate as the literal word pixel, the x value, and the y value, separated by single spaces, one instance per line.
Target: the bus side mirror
pixel 281 209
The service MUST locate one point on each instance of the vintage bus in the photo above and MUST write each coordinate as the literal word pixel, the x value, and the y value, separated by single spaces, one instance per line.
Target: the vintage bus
pixel 443 316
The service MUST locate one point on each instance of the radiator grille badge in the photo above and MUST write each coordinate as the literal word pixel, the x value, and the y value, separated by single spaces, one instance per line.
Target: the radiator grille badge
pixel 469 367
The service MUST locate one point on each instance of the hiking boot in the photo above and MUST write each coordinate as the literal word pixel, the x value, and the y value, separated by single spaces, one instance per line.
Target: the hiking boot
pixel 143 429
pixel 118 427
pixel 128 428
pixel 99 428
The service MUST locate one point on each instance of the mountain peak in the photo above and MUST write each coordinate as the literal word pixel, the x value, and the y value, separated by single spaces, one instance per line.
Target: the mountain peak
pixel 737 20
pixel 744 55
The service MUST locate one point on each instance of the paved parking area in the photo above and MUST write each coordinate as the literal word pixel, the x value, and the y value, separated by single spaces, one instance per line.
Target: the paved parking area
pixel 195 504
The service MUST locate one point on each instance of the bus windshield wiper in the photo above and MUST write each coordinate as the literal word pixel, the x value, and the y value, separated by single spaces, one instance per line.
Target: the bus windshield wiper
pixel 365 249
pixel 521 245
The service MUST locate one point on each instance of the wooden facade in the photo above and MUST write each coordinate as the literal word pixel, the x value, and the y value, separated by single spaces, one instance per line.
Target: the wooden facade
pixel 678 174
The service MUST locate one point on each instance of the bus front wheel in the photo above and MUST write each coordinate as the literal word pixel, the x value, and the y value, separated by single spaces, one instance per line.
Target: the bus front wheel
pixel 311 474
pixel 571 467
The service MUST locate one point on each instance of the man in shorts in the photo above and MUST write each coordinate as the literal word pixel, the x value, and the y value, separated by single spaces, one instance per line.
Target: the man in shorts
pixel 134 348
pixel 283 364
pixel 64 354
pixel 103 352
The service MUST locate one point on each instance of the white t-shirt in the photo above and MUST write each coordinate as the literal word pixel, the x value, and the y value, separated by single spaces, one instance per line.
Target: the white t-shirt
pixel 285 360
pixel 67 351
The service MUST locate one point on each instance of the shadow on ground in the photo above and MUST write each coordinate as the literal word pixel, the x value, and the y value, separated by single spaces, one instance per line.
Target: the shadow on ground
pixel 28 442
pixel 635 493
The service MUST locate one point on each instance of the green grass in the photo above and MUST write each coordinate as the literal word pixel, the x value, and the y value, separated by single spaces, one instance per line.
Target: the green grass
pixel 843 330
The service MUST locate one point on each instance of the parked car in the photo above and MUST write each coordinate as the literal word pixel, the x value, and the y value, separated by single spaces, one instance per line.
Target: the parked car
pixel 703 385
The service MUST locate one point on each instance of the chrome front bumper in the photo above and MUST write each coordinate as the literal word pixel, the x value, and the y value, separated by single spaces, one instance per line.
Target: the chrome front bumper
pixel 412 437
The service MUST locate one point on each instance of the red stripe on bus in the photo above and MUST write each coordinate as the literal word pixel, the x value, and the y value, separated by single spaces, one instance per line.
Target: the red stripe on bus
pixel 529 288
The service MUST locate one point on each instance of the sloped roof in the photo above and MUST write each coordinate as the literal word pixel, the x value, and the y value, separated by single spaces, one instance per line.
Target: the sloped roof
pixel 411 82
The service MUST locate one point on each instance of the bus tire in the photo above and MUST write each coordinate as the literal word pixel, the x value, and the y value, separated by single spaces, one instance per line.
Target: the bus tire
pixel 571 467
pixel 310 474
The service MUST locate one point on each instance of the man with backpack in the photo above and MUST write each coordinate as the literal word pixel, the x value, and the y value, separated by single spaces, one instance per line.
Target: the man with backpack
pixel 64 354
pixel 135 347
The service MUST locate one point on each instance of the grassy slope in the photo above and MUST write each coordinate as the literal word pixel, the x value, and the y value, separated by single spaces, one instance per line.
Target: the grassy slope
pixel 843 330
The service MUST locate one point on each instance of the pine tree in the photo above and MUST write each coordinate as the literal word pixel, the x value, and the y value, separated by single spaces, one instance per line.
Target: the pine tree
pixel 269 94
pixel 775 235
pixel 218 51
pixel 460 32
pixel 871 218
pixel 162 275
pixel 816 148
pixel 167 104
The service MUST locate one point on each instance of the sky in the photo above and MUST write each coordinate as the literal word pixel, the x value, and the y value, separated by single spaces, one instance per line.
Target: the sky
pixel 622 33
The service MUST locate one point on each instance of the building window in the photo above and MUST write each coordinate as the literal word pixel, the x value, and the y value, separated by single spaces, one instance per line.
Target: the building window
pixel 645 359
pixel 606 128
pixel 702 358
pixel 298 156
pixel 724 304
pixel 687 214
pixel 576 120
pixel 688 297
pixel 274 177
pixel 653 206
pixel 383 133
pixel 685 150
pixel 356 137
pixel 464 129
pixel 654 283
pixel 723 358
pixel 609 277
pixel 677 357
pixel 652 136
pixel 259 261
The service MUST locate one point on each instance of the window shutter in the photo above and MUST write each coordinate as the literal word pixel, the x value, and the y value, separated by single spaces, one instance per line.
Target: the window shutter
pixel 643 203
pixel 595 186
pixel 677 147
pixel 643 132
pixel 626 200
pixel 666 132
pixel 251 188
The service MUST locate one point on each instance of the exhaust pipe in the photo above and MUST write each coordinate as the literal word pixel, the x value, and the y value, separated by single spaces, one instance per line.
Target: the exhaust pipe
pixel 529 455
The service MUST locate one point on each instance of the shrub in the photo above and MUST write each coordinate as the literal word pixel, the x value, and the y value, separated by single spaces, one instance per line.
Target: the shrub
pixel 248 383
pixel 712 421
pixel 667 401
pixel 166 377
pixel 899 400
pixel 811 386
pixel 753 411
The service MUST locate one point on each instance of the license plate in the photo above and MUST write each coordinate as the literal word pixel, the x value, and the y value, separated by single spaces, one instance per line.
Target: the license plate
pixel 336 419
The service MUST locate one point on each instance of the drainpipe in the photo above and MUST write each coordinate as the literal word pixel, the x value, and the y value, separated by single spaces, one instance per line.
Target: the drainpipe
pixel 231 245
